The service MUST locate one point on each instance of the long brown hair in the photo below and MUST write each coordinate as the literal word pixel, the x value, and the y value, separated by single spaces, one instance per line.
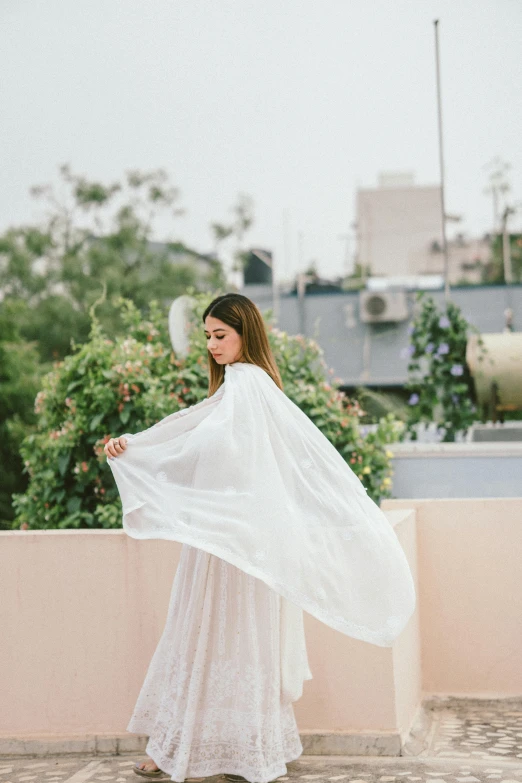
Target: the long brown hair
pixel 244 316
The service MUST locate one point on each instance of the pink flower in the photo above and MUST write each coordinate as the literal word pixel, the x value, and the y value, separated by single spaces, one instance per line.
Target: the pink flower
pixel 85 467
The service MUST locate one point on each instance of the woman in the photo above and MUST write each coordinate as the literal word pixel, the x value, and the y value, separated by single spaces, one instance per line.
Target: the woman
pixel 272 521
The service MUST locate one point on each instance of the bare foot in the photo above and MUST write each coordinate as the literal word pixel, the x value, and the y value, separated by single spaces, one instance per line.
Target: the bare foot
pixel 148 766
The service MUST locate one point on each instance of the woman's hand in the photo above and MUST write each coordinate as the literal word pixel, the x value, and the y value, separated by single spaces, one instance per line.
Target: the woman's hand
pixel 115 446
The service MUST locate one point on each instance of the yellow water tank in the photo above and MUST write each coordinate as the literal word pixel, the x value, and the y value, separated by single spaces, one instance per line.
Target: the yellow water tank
pixel 502 363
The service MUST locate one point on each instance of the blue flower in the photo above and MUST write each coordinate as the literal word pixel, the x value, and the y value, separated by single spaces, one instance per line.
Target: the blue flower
pixel 444 322
pixel 443 348
pixel 430 347
pixel 413 399
pixel 457 369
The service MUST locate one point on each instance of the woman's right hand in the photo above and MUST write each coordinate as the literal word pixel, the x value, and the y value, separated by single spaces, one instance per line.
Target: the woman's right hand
pixel 115 446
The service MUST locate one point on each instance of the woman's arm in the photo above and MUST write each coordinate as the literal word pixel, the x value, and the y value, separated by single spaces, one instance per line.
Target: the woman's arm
pixel 116 446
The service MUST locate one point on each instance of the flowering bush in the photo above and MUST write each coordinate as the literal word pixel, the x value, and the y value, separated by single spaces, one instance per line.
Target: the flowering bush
pixel 110 386
pixel 305 377
pixel 439 380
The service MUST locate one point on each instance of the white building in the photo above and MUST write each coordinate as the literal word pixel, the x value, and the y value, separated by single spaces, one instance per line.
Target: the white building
pixel 399 232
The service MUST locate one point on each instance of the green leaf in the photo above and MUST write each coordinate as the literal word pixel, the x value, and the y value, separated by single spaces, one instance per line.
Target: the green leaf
pixel 63 462
pixel 95 422
pixel 74 504
pixel 125 415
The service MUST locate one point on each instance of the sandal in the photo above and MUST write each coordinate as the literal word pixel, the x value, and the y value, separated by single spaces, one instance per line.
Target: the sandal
pixel 146 773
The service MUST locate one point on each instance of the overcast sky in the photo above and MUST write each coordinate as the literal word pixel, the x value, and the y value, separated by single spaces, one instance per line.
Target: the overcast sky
pixel 294 102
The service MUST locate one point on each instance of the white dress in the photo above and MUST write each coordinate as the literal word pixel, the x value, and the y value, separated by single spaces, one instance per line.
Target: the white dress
pixel 211 701
pixel 246 476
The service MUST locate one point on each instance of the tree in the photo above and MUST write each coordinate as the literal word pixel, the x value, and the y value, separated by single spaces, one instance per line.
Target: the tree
pixel 97 233
pixel 243 219
pixel 493 272
pixel 20 378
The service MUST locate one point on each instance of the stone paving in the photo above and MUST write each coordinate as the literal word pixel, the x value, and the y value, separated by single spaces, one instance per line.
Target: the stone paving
pixel 456 741
pixel 478 729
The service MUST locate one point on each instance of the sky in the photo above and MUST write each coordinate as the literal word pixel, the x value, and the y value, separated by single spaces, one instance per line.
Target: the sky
pixel 296 103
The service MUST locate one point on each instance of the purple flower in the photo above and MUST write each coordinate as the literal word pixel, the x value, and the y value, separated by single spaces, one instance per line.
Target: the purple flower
pixel 413 399
pixel 444 322
pixel 443 348
pixel 457 369
pixel 411 329
pixel 455 398
pixel 430 347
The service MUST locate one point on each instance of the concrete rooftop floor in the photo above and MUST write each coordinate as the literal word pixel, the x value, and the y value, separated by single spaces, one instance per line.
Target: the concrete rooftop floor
pixel 464 740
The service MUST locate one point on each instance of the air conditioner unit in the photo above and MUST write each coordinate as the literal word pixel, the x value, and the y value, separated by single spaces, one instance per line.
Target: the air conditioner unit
pixel 381 306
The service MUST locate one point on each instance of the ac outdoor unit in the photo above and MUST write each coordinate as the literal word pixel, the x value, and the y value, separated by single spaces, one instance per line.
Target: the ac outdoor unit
pixel 382 306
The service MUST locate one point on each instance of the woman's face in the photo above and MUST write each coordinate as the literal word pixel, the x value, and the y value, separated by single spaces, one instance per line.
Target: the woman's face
pixel 223 342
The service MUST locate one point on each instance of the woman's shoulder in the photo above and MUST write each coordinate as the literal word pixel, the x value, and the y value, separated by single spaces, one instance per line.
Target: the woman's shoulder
pixel 247 372
pixel 246 368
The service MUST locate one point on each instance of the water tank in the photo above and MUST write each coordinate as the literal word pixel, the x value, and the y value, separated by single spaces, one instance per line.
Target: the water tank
pixel 501 365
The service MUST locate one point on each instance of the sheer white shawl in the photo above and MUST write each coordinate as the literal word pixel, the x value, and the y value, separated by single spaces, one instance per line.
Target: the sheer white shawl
pixel 247 476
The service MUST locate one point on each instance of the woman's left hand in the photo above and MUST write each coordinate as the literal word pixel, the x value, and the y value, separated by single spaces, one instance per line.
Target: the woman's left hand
pixel 115 446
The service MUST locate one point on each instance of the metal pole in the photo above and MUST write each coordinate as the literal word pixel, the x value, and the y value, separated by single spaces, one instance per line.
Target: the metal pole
pixel 506 249
pixel 275 291
pixel 441 161
pixel 301 286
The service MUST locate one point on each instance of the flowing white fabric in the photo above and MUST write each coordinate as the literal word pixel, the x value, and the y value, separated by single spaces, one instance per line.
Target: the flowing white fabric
pixel 212 701
pixel 247 476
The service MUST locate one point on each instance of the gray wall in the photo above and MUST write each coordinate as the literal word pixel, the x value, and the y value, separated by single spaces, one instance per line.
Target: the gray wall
pixel 333 320
pixel 481 476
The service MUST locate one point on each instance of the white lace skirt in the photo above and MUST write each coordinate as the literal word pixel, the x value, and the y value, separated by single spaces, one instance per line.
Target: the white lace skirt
pixel 211 699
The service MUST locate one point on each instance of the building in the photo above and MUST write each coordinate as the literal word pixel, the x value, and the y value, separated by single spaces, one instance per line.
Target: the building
pixel 399 232
pixel 371 354
pixel 467 258
pixel 258 267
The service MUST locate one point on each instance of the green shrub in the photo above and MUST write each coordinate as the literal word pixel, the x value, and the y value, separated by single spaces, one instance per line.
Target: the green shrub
pixel 441 386
pixel 110 386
